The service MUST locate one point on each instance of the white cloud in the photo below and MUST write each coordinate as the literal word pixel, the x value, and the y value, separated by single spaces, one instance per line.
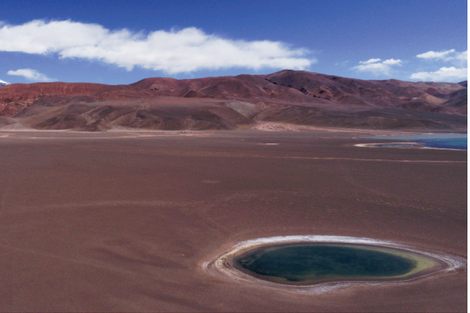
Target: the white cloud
pixel 458 58
pixel 2 82
pixel 377 66
pixel 443 74
pixel 461 56
pixel 432 55
pixel 30 74
pixel 370 61
pixel 186 50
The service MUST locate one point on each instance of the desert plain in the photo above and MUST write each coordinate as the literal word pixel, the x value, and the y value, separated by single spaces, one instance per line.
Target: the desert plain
pixel 128 220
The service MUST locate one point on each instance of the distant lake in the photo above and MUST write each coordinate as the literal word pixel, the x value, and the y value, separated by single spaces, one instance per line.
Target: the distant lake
pixel 443 141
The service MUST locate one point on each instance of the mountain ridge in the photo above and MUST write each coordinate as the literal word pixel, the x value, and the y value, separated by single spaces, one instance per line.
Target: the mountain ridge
pixel 228 102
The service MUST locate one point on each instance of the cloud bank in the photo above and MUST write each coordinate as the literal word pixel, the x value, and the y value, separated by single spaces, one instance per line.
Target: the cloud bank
pixel 453 73
pixel 447 56
pixel 175 51
pixel 443 74
pixel 377 66
pixel 31 74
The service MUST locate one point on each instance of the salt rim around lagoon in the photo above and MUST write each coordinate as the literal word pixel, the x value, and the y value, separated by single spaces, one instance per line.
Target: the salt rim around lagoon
pixel 223 268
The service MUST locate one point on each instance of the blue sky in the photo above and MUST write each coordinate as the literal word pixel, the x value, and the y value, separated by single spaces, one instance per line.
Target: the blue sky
pixel 120 42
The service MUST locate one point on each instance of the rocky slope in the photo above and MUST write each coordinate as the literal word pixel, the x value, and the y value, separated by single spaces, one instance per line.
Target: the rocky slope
pixel 296 97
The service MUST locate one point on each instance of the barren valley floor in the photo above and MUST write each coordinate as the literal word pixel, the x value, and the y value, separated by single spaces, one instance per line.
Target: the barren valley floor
pixel 125 221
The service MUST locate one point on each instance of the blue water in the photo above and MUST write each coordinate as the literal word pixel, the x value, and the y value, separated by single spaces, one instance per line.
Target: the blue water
pixel 447 141
pixel 308 263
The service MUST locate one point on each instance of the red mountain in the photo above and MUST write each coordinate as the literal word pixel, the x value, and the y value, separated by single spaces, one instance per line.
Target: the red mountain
pixel 297 97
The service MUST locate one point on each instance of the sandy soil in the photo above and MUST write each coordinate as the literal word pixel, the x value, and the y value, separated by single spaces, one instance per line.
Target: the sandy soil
pixel 126 221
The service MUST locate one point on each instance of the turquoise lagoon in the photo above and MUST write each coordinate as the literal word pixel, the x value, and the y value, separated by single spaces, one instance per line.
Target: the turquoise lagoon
pixel 442 141
pixel 311 263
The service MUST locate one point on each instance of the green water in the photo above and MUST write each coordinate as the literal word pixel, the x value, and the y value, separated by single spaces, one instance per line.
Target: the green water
pixel 307 263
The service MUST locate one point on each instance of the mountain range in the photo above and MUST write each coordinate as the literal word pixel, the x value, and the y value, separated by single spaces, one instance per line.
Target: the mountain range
pixel 230 102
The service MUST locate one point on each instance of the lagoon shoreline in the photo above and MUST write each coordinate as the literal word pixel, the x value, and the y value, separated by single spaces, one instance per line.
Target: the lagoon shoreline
pixel 226 265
